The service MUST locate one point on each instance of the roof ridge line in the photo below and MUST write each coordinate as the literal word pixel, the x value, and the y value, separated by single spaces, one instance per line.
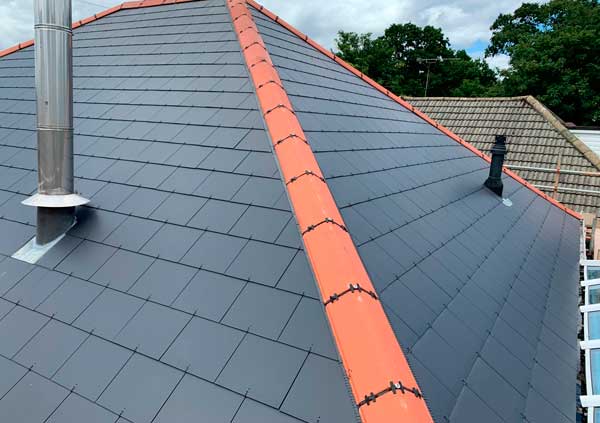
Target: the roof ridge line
pixel 407 105
pixel 123 6
pixel 558 124
pixel 410 97
pixel 374 362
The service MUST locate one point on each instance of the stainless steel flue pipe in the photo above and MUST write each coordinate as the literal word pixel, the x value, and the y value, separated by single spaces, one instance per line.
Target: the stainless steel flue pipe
pixel 56 199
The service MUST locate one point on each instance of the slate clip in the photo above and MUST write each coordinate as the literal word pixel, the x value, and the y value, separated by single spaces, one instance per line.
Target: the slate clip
pixel 394 387
pixel 327 220
pixel 352 288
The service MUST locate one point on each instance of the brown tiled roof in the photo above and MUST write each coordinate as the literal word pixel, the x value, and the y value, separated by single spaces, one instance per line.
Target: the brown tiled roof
pixel 536 138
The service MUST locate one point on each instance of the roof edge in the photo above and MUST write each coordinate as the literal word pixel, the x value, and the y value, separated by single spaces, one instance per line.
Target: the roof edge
pixel 369 350
pixel 407 105
pixel 100 15
pixel 558 124
pixel 446 98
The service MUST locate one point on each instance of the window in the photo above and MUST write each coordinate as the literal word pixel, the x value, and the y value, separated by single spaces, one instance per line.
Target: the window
pixel 594 325
pixel 594 294
pixel 597 415
pixel 593 272
pixel 595 371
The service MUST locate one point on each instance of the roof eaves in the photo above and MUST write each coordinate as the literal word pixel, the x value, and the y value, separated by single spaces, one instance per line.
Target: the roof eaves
pixel 563 130
pixel 368 348
pixel 100 15
pixel 407 105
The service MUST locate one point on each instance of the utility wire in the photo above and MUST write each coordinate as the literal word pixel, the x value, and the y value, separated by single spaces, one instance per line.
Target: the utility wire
pixel 91 3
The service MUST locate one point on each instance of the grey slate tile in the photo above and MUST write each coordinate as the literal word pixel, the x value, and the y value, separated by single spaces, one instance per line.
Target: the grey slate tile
pixel 298 277
pixel 261 262
pixel 33 399
pixel 11 272
pixel 86 259
pixel 184 180
pixel 133 233
pixel 112 195
pixel 163 281
pixel 76 407
pixel 17 328
pixel 214 251
pixel 35 287
pixel 252 411
pixel 122 270
pixel 178 209
pixel 171 242
pixel 92 367
pixel 470 408
pixel 109 313
pixel 15 235
pixel 69 299
pixel 217 216
pixel 261 223
pixel 498 395
pixel 11 374
pixel 189 350
pixel 96 225
pixel 319 392
pixel 152 329
pixel 260 191
pixel 308 329
pixel 222 186
pixel 121 171
pixel 262 310
pixel 50 348
pixel 209 295
pixel 197 400
pixel 142 202
pixel 140 388
pixel 263 368
pixel 151 175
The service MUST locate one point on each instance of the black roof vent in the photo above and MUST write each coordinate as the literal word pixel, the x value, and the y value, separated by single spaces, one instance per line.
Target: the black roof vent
pixel 499 150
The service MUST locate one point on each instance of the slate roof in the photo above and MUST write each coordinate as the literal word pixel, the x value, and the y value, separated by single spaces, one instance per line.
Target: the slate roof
pixel 536 137
pixel 184 293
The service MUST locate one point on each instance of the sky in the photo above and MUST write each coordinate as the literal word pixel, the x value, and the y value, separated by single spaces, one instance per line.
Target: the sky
pixel 465 22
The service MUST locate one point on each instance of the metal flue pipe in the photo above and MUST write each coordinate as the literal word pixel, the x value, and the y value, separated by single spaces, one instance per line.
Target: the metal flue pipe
pixel 56 199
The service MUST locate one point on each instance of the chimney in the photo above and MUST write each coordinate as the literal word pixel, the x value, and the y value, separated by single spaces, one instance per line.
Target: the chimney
pixel 499 150
pixel 55 199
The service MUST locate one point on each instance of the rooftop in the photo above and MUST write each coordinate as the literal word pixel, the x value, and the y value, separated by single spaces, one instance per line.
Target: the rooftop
pixel 536 140
pixel 185 292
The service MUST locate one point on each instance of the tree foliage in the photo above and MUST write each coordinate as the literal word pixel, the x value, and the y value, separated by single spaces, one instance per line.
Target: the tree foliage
pixel 554 51
pixel 397 60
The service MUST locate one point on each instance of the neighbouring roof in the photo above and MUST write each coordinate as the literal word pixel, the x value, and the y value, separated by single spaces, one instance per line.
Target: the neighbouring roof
pixel 590 137
pixel 184 292
pixel 536 138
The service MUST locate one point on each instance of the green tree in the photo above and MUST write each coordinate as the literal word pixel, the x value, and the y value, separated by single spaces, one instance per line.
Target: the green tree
pixel 554 51
pixel 398 61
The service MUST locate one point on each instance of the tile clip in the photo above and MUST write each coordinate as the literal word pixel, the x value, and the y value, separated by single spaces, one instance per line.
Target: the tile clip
pixel 292 135
pixel 327 220
pixel 393 388
pixel 351 290
pixel 279 106
pixel 306 173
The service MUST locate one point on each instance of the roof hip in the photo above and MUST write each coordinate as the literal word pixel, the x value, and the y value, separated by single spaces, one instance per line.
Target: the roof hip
pixel 374 361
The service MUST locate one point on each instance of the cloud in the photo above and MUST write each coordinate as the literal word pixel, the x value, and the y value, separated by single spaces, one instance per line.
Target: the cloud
pixel 501 61
pixel 16 17
pixel 465 22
